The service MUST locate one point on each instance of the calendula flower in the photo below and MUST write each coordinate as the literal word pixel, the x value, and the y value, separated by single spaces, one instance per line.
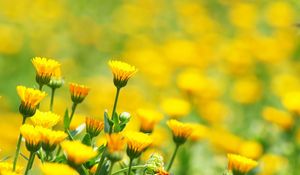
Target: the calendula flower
pixel 6 167
pixel 93 126
pixel 30 98
pixel 281 118
pixel 45 119
pixel 57 169
pixel 239 164
pixel 77 152
pixel 175 107
pixel 181 131
pixel 137 142
pixel 122 72
pixel 149 118
pixel 115 146
pixel 45 68
pixel 78 92
pixel 32 137
pixel 50 139
pixel 56 80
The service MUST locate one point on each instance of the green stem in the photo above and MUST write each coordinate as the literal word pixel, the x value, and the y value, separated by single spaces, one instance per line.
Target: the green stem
pixel 100 164
pixel 130 165
pixel 173 157
pixel 18 147
pixel 30 162
pixel 126 169
pixel 40 88
pixel 72 113
pixel 58 151
pixel 52 98
pixel 110 168
pixel 115 106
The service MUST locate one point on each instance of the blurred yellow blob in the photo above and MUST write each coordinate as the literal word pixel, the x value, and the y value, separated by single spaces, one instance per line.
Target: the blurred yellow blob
pixel 57 169
pixel 284 83
pixel 214 111
pixel 200 132
pixel 272 164
pixel 280 14
pixel 280 118
pixel 175 107
pixel 11 39
pixel 243 15
pixel 291 101
pixel 251 149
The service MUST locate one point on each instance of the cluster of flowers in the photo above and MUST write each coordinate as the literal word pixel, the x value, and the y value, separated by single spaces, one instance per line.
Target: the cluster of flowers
pixel 71 152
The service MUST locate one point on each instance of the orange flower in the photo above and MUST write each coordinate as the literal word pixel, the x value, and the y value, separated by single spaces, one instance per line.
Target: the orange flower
pixel 78 92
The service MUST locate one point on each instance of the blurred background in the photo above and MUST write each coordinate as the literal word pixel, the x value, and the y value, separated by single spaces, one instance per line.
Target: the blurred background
pixel 225 64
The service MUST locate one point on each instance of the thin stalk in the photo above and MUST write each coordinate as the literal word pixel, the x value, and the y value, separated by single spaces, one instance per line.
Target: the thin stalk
pixel 110 168
pixel 100 164
pixel 130 165
pixel 72 113
pixel 58 151
pixel 115 106
pixel 18 147
pixel 52 98
pixel 30 162
pixel 173 157
pixel 126 169
pixel 40 88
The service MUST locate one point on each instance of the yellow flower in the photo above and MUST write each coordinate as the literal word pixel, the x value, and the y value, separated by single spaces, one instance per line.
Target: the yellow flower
pixel 45 68
pixel 45 119
pixel 78 92
pixel 199 132
pixel 57 169
pixel 251 149
pixel 137 142
pixel 181 131
pixel 149 118
pixel 56 80
pixel 32 137
pixel 30 98
pixel 51 138
pixel 239 164
pixel 115 144
pixel 175 107
pixel 77 152
pixel 7 168
pixel 278 117
pixel 93 126
pixel 291 101
pixel 122 72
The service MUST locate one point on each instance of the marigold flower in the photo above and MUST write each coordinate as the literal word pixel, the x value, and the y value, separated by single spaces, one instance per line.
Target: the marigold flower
pixel 175 107
pixel 149 118
pixel 50 139
pixel 122 72
pixel 32 137
pixel 77 152
pixel 57 169
pixel 30 98
pixel 56 80
pixel 115 144
pixel 78 92
pixel 278 117
pixel 45 119
pixel 181 131
pixel 93 126
pixel 45 68
pixel 239 164
pixel 7 168
pixel 137 142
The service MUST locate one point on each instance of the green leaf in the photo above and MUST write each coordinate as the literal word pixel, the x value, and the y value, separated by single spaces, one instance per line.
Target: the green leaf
pixel 115 118
pixel 107 122
pixel 105 169
pixel 87 140
pixel 120 127
pixel 66 120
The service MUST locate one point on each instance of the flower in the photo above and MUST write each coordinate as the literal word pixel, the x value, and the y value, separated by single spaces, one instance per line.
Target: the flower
pixel 45 119
pixel 291 101
pixel 175 107
pixel 149 118
pixel 7 168
pixel 30 98
pixel 78 92
pixel 56 80
pixel 239 164
pixel 137 142
pixel 93 126
pixel 32 137
pixel 77 152
pixel 115 145
pixel 251 149
pixel 45 68
pixel 181 131
pixel 281 118
pixel 57 169
pixel 122 72
pixel 155 165
pixel 50 139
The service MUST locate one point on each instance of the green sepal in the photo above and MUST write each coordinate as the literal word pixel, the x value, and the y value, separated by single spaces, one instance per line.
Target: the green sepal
pixel 115 118
pixel 66 120
pixel 87 140
pixel 108 123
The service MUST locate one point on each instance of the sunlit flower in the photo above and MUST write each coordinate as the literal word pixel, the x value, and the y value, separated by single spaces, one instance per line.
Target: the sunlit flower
pixel 32 137
pixel 6 167
pixel 77 152
pixel 149 118
pixel 291 101
pixel 115 145
pixel 239 164
pixel 175 107
pixel 57 169
pixel 181 131
pixel 122 72
pixel 281 118
pixel 93 126
pixel 50 139
pixel 30 98
pixel 45 68
pixel 78 92
pixel 45 119
pixel 137 142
